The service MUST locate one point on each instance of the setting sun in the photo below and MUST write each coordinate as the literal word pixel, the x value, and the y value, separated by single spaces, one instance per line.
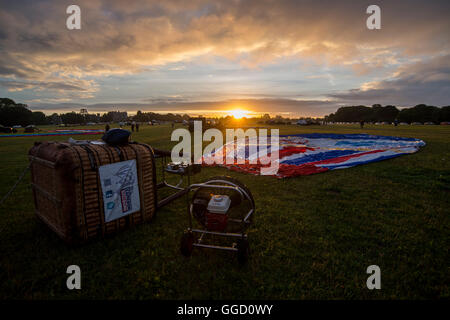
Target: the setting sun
pixel 239 113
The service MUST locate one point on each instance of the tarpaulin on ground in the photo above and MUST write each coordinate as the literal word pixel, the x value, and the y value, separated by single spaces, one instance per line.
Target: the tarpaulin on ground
pixel 60 132
pixel 304 154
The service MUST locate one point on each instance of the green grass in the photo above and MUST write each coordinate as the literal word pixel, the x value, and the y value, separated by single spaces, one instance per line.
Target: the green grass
pixel 313 237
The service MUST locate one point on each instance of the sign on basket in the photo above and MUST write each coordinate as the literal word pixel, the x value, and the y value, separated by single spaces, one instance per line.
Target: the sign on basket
pixel 120 189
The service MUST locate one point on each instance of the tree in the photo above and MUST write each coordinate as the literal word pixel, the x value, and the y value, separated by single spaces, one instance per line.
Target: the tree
pixel 16 114
pixel 420 113
pixel 352 114
pixel 140 117
pixel 378 113
pixel 38 118
pixel 445 114
pixel 72 118
pixel 54 119
pixel 384 114
pixel 6 102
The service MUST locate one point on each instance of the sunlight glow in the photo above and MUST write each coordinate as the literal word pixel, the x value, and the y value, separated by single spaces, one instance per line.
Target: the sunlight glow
pixel 238 113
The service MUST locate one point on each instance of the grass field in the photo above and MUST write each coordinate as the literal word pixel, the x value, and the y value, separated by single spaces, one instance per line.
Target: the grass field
pixel 313 237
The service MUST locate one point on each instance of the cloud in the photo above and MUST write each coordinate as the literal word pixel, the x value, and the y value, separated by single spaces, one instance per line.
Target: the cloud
pixel 421 82
pixel 117 34
pixel 127 37
pixel 21 85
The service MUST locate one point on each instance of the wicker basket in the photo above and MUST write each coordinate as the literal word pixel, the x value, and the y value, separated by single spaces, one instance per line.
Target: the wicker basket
pixel 67 189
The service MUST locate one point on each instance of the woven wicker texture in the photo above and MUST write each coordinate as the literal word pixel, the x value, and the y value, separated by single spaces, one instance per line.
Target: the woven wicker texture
pixel 67 190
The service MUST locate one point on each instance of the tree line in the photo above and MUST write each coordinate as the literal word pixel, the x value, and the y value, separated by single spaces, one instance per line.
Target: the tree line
pixel 150 116
pixel 377 113
pixel 12 114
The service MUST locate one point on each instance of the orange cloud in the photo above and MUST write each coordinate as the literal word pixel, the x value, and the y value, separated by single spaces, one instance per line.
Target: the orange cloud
pixel 120 37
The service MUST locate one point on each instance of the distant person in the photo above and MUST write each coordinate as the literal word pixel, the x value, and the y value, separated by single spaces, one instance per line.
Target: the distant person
pixel 107 127
pixel 396 122
pixel 132 126
pixel 137 126
pixel 173 124
pixel 361 124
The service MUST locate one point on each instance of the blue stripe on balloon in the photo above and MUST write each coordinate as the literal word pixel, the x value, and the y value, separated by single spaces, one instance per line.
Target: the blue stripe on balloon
pixel 343 164
pixel 319 156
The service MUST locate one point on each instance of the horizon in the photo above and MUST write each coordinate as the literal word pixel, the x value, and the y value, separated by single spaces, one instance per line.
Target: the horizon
pixel 238 112
pixel 295 59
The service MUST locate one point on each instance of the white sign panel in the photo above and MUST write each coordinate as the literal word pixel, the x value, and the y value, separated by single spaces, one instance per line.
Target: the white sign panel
pixel 120 189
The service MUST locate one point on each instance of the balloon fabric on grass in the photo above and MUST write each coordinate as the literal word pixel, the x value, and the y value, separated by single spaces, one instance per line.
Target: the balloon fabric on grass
pixel 58 132
pixel 305 154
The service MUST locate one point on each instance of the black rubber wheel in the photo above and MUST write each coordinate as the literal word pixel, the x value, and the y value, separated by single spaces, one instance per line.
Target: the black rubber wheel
pixel 243 251
pixel 187 244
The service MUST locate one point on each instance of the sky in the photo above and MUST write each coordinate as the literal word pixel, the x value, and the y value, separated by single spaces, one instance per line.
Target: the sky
pixel 293 58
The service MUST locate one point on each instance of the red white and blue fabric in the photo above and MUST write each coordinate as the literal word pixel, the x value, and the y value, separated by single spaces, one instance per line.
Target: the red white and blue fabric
pixel 57 132
pixel 305 154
